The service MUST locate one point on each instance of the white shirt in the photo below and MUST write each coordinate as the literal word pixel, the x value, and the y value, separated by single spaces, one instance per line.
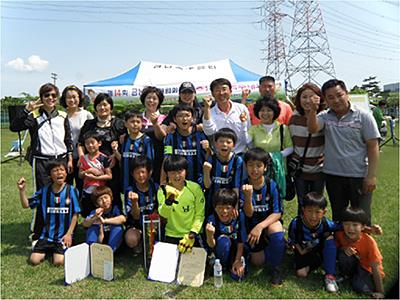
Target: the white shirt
pixel 230 120
pixel 75 123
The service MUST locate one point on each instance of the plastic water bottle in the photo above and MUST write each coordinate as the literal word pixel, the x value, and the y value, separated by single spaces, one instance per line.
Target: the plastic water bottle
pixel 217 274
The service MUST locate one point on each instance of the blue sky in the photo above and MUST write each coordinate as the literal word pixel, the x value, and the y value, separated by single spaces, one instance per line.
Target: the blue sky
pixel 86 41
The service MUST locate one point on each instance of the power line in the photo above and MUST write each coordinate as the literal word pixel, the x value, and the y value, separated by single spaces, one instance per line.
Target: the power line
pixel 372 12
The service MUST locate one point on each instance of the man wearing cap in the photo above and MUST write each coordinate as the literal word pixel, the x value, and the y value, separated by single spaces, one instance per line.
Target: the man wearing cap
pixel 226 113
pixel 267 85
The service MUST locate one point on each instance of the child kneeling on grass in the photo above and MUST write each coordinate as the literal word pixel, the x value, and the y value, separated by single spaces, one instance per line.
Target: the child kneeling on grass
pixel 57 210
pixel 311 234
pixel 181 203
pixel 359 257
pixel 104 224
pixel 263 209
pixel 226 234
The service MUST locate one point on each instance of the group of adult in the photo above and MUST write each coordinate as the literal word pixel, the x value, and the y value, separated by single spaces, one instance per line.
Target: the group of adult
pixel 341 140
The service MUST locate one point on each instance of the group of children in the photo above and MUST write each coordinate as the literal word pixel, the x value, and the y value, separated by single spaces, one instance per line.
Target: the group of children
pixel 208 197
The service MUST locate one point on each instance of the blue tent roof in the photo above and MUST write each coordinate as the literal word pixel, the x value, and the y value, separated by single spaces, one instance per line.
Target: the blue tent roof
pixel 126 78
pixel 242 74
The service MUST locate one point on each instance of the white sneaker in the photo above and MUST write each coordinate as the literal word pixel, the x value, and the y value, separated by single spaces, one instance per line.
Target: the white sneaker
pixel 330 284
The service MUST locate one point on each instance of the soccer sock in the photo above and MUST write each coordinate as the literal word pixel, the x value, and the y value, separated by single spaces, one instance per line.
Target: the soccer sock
pixel 92 234
pixel 275 249
pixel 329 256
pixel 223 249
pixel 115 237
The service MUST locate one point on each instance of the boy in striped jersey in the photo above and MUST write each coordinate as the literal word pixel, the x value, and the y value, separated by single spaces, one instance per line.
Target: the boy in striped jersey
pixel 188 142
pixel 263 209
pixel 140 199
pixel 135 143
pixel 224 169
pixel 57 209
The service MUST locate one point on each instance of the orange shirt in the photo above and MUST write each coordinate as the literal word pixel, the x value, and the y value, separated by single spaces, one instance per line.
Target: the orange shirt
pixel 366 247
pixel 283 118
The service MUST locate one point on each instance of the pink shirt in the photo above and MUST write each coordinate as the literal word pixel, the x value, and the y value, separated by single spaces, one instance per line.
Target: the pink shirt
pixel 147 122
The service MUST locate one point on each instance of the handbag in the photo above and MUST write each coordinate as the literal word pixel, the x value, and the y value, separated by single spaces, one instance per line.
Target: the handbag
pixel 294 166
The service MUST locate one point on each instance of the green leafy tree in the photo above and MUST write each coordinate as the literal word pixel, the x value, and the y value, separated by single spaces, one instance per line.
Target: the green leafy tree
pixel 371 86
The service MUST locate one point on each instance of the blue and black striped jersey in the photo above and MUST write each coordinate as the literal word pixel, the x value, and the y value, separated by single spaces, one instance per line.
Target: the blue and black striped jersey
pixel 55 211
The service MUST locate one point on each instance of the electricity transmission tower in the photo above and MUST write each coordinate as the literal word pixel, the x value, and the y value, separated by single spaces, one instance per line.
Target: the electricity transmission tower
pixel 309 58
pixel 276 55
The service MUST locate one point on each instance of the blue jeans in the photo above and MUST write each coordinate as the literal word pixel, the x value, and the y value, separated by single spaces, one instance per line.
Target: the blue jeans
pixel 303 187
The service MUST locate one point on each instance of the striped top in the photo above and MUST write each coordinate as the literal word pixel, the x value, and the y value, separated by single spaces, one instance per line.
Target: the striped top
pixel 312 168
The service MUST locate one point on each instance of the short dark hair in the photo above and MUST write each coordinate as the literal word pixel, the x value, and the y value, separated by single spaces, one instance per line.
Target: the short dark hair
pixel 133 113
pixel 258 154
pixel 92 135
pixel 332 83
pixel 63 100
pixel 266 78
pixel 220 81
pixel 100 191
pixel 315 199
pixel 269 101
pixel 141 162
pixel 316 90
pixel 47 87
pixel 55 164
pixel 152 89
pixel 225 133
pixel 354 214
pixel 175 163
pixel 181 107
pixel 382 103
pixel 103 97
pixel 225 197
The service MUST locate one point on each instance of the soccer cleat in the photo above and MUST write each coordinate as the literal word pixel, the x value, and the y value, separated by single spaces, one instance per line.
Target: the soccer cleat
pixel 277 278
pixel 330 283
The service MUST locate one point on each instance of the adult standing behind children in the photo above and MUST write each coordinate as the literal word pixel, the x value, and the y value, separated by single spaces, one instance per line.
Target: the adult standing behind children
pixel 187 95
pixel 226 113
pixel 72 100
pixel 351 149
pixel 267 86
pixel 309 146
pixel 110 128
pixel 49 130
pixel 152 98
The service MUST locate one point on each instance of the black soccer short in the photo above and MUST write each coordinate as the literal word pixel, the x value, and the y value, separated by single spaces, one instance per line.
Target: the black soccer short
pixel 312 259
pixel 45 247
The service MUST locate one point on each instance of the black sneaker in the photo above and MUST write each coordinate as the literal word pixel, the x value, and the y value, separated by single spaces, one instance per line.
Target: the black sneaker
pixel 276 277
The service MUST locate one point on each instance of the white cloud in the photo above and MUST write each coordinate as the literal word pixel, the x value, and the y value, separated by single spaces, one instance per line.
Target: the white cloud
pixel 34 63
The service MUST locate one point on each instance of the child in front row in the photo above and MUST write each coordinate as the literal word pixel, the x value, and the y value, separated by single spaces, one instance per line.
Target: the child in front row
pixel 187 141
pixel 263 209
pixel 104 224
pixel 140 199
pixel 181 202
pixel 224 169
pixel 311 234
pixel 226 234
pixel 136 143
pixel 94 169
pixel 358 254
pixel 57 210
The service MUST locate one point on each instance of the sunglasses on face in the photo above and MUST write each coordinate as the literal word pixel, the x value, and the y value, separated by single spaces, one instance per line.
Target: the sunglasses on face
pixel 53 95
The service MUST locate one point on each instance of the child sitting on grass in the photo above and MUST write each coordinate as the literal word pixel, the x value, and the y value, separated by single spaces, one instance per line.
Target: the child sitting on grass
pixel 359 257
pixel 226 234
pixel 181 203
pixel 104 224
pixel 311 234
pixel 57 210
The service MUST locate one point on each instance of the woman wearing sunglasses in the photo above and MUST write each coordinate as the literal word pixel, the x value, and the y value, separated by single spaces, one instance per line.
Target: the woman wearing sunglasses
pixel 50 133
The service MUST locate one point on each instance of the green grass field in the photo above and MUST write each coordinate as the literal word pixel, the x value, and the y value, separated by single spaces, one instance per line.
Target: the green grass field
pixel 20 280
